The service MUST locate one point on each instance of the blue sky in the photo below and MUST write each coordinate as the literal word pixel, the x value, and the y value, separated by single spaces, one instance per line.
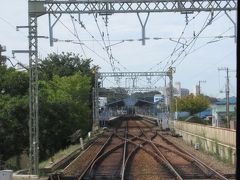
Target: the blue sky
pixel 206 56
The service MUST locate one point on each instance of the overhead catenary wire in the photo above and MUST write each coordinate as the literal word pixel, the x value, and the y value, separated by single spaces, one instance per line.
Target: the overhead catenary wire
pixel 109 46
pixel 175 48
pixel 103 40
pixel 20 32
pixel 86 46
pixel 214 40
pixel 192 41
pixel 94 39
pixel 213 64
pixel 77 36
pixel 181 36
pixel 102 58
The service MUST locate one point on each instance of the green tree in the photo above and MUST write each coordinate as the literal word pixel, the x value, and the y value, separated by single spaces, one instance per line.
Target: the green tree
pixel 64 104
pixel 192 104
pixel 13 112
pixel 65 64
pixel 113 94
pixel 148 96
pixel 13 82
pixel 64 109
pixel 13 125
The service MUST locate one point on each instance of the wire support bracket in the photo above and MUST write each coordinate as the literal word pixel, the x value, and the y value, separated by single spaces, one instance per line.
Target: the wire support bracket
pixel 143 25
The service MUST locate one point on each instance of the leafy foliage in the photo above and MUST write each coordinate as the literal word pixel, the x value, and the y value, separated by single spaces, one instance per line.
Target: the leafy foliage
pixel 13 82
pixel 64 104
pixel 65 64
pixel 192 104
pixel 64 108
pixel 113 94
pixel 148 96
pixel 13 125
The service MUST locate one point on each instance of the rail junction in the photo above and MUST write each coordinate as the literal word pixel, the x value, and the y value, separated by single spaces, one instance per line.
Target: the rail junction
pixel 135 148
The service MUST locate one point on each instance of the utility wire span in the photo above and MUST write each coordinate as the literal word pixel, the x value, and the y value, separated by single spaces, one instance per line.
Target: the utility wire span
pixel 20 32
pixel 107 50
pixel 194 40
pixel 77 36
pixel 119 41
pixel 175 48
pixel 18 63
pixel 104 47
pixel 102 58
pixel 10 24
pixel 84 27
pixel 93 38
pixel 213 64
pixel 109 45
pixel 214 40
pixel 188 44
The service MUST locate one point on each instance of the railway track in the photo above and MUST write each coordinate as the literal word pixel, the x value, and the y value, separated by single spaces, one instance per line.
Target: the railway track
pixel 136 150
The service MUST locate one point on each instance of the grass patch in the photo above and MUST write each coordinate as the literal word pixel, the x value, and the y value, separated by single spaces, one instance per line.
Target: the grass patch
pixel 65 152
pixel 59 155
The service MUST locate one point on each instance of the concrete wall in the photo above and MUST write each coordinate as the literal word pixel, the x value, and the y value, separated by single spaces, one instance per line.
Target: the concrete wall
pixel 220 142
pixel 6 175
pixel 25 177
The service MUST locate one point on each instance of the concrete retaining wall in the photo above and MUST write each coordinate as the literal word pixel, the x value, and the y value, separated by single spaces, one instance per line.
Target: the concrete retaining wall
pixel 220 142
pixel 25 177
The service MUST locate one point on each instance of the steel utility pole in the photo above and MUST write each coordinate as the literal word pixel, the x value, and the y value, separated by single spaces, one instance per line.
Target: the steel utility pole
pixel 227 94
pixel 199 84
pixel 170 75
pixel 2 58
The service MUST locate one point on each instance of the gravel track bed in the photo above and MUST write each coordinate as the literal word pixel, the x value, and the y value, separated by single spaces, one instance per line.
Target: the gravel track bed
pixel 145 167
pixel 81 162
pixel 213 162
pixel 110 166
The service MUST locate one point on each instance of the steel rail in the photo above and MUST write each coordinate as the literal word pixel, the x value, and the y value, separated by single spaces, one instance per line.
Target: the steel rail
pixel 178 176
pixel 217 174
pixel 101 149
pixel 162 160
pixel 124 153
pixel 162 157
pixel 185 156
pixel 206 169
pixel 131 153
pixel 105 154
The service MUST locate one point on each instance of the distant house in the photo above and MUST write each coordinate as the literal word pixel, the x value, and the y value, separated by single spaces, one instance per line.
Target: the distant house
pixel 206 113
pixel 158 97
pixel 219 112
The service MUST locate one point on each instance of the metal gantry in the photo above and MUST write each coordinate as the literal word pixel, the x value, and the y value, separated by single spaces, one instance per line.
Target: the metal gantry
pixel 133 76
pixel 38 8
pixel 129 6
pixel 103 75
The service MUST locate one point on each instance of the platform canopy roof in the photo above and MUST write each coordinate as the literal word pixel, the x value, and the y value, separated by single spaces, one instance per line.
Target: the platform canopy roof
pixel 130 102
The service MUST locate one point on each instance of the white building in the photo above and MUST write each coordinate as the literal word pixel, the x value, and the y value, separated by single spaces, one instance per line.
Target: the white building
pixel 219 112
pixel 178 91
pixel 102 101
pixel 158 97
pixel 177 86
